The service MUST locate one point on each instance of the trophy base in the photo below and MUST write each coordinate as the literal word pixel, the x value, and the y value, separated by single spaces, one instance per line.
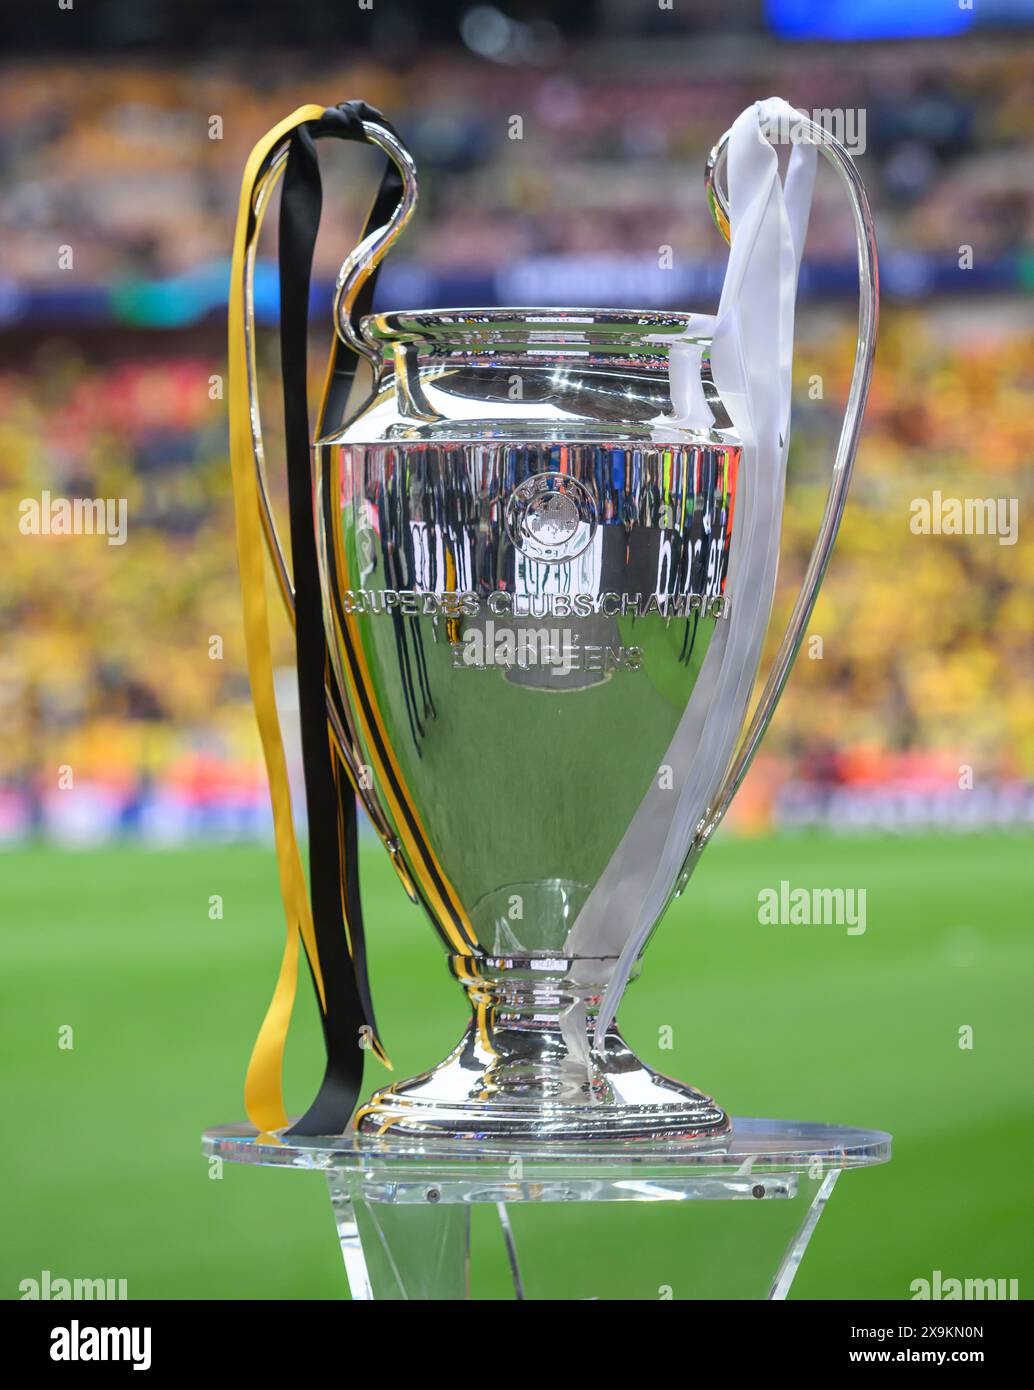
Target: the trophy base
pixel 525 1073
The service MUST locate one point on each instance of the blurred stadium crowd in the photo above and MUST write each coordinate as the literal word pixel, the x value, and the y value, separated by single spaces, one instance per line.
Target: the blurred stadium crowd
pixel 109 667
pixel 607 162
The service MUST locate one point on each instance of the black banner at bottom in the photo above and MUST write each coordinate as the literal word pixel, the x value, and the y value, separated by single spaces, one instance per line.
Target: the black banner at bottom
pixel 201 1338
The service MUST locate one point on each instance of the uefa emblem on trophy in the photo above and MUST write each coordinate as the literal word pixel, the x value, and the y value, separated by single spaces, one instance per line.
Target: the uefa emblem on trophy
pixel 533 558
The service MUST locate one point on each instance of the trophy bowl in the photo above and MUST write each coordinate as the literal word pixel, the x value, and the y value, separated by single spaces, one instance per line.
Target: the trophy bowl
pixel 523 547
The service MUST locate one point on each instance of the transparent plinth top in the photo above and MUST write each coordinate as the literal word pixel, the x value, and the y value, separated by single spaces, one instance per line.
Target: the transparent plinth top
pixel 759 1159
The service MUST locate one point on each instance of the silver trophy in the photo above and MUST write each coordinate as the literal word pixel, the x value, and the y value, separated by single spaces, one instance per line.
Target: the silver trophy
pixel 548 558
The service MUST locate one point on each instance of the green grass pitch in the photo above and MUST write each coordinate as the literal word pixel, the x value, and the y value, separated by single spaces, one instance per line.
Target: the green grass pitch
pixel 102 1171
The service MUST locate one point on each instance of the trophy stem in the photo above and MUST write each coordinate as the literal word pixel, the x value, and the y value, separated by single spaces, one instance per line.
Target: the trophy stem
pixel 526 1072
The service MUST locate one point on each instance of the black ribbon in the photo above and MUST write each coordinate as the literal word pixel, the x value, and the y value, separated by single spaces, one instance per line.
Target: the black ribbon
pixel 332 812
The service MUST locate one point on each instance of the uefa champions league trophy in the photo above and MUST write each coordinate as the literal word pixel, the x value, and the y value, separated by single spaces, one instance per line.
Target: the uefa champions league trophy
pixel 547 542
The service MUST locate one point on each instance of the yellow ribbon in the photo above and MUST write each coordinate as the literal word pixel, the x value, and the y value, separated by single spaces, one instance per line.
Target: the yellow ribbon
pixel 263 1086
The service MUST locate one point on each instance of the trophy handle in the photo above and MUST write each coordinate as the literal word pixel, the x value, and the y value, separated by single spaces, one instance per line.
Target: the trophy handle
pixel 843 463
pixel 360 264
pixel 354 273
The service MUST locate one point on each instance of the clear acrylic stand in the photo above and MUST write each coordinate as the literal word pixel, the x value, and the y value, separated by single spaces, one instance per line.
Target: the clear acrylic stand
pixel 727 1219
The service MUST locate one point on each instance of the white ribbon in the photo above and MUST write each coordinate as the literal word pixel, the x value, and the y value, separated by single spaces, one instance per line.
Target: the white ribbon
pixel 751 360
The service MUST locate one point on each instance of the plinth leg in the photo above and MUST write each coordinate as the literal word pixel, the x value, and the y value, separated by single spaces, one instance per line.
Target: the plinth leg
pixel 348 1235
pixel 791 1261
